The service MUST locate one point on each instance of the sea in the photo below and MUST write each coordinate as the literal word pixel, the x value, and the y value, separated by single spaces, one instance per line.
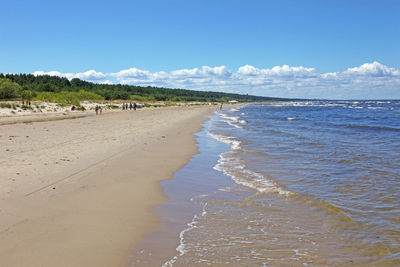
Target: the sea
pixel 297 183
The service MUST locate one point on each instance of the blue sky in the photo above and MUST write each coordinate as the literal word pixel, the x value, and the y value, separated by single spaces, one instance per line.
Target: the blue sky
pixel 154 42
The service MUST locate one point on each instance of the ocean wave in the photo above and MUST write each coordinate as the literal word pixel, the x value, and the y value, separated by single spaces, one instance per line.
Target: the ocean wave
pixel 368 127
pixel 231 141
pixel 231 120
pixel 181 248
pixel 231 165
pixel 235 168
pixel 376 108
pixel 339 213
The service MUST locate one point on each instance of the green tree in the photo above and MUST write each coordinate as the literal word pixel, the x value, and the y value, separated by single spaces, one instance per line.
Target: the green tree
pixel 26 95
pixel 8 89
pixel 49 88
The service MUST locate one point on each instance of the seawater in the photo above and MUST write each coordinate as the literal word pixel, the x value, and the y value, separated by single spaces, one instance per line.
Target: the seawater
pixel 313 183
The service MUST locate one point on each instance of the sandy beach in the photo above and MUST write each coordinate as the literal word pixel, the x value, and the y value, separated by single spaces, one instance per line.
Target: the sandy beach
pixel 82 192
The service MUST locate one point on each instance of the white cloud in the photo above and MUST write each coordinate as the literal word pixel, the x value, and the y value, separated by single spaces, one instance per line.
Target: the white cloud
pixel 90 75
pixel 107 82
pixel 370 80
pixel 373 69
pixel 285 70
pixel 132 73
pixel 51 73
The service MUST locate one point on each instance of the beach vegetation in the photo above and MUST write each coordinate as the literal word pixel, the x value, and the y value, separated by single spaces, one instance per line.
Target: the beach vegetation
pixel 113 106
pixel 25 107
pixel 68 98
pixel 5 105
pixel 140 98
pixel 26 94
pixel 8 88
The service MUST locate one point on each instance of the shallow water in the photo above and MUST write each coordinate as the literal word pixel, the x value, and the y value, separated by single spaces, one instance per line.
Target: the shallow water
pixel 293 184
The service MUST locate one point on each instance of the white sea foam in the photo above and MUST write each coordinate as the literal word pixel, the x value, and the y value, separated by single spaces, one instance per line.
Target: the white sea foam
pixel 182 246
pixel 231 120
pixel 231 165
pixel 234 144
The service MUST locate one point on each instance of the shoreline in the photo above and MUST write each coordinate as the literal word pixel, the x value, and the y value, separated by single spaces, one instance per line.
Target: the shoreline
pixel 82 192
pixel 186 191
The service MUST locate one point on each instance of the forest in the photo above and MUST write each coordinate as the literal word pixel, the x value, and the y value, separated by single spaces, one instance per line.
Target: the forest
pixel 54 88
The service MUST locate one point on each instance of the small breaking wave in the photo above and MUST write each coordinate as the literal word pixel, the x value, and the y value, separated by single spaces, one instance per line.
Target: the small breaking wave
pixel 232 165
pixel 231 120
pixel 231 141
pixel 292 119
pixel 182 246
pixel 369 127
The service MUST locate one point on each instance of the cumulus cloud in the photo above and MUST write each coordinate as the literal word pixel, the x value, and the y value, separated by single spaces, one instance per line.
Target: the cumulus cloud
pixel 373 69
pixel 370 80
pixel 90 75
pixel 277 71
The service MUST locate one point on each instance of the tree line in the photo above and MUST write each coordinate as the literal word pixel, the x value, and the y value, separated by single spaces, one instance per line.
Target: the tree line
pixel 14 86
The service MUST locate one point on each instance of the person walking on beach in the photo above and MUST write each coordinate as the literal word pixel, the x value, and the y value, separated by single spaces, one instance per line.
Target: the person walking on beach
pixel 134 106
pixel 130 106
pixel 101 110
pixel 97 110
pixel 123 106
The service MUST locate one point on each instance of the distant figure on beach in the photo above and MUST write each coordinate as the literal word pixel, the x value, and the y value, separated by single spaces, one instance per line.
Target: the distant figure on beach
pixel 130 106
pixel 220 107
pixel 73 108
pixel 123 106
pixel 134 106
pixel 101 110
pixel 97 110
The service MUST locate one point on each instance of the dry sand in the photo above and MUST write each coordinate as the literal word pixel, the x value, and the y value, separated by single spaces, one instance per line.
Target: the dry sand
pixel 82 192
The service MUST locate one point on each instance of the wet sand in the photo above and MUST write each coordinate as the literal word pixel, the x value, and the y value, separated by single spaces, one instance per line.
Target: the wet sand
pixel 82 192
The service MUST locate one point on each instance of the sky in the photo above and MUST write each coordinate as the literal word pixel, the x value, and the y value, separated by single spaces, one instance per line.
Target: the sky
pixel 334 49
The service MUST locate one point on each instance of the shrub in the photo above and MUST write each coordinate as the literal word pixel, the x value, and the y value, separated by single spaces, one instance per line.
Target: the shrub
pixel 5 105
pixel 24 107
pixel 26 94
pixel 142 98
pixel 113 106
pixel 8 89
pixel 68 98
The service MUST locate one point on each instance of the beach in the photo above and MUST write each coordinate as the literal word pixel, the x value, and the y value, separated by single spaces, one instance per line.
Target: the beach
pixel 82 191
